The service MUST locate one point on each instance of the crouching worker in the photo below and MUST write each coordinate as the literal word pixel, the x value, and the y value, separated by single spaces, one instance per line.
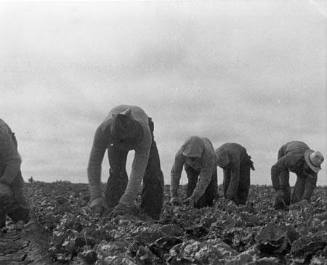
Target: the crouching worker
pixel 197 155
pixel 298 158
pixel 126 128
pixel 12 199
pixel 237 164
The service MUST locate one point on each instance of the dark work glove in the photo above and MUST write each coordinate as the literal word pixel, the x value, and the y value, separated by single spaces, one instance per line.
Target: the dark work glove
pixel 279 201
pixel 122 209
pixel 189 201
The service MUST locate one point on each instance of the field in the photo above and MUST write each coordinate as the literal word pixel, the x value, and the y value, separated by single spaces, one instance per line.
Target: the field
pixel 66 232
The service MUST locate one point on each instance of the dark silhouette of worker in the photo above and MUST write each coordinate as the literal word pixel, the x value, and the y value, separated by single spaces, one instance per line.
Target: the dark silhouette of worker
pixel 126 128
pixel 197 155
pixel 298 158
pixel 12 200
pixel 237 164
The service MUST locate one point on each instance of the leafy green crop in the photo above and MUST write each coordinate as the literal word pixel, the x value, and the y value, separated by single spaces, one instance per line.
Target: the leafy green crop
pixel 224 234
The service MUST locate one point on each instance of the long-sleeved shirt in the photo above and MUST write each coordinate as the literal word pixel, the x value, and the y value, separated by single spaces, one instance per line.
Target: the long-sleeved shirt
pixel 202 149
pixel 231 155
pixel 291 158
pixel 10 159
pixel 103 139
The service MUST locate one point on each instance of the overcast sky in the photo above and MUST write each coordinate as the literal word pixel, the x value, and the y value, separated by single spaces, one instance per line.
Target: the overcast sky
pixel 252 72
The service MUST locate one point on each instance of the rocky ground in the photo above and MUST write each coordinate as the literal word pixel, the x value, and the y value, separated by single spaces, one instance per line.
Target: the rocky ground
pixel 65 231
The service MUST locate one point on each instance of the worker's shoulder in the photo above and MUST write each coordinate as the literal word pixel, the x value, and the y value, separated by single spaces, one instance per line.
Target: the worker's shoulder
pixel 208 146
pixel 4 128
pixel 206 140
pixel 134 109
pixel 194 140
pixel 232 147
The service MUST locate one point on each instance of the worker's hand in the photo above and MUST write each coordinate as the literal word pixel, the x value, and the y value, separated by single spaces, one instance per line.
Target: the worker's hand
pixel 175 201
pixel 189 201
pixel 230 196
pixel 303 204
pixel 98 206
pixel 280 203
pixel 123 209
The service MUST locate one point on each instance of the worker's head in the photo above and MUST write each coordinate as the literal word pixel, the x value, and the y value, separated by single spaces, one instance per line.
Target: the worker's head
pixel 313 160
pixel 193 150
pixel 193 147
pixel 125 129
pixel 222 158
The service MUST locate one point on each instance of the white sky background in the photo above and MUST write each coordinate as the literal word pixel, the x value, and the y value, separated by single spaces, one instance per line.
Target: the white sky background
pixel 252 72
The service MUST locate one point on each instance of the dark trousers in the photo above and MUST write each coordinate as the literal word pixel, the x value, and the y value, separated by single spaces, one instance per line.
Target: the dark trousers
pixel 281 184
pixel 244 182
pixel 299 189
pixel 153 182
pixel 211 192
pixel 13 202
pixel 302 190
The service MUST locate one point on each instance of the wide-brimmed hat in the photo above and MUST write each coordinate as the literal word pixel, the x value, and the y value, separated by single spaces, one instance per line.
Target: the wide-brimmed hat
pixel 314 160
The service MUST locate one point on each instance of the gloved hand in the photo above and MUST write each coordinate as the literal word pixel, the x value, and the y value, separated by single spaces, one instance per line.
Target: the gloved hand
pixel 230 196
pixel 19 225
pixel 98 206
pixel 175 201
pixel 280 203
pixel 122 209
pixel 303 204
pixel 189 201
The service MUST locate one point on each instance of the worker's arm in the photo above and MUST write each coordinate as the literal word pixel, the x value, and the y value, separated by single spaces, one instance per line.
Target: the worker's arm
pixel 203 182
pixel 139 165
pixel 176 173
pixel 10 156
pixel 100 143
